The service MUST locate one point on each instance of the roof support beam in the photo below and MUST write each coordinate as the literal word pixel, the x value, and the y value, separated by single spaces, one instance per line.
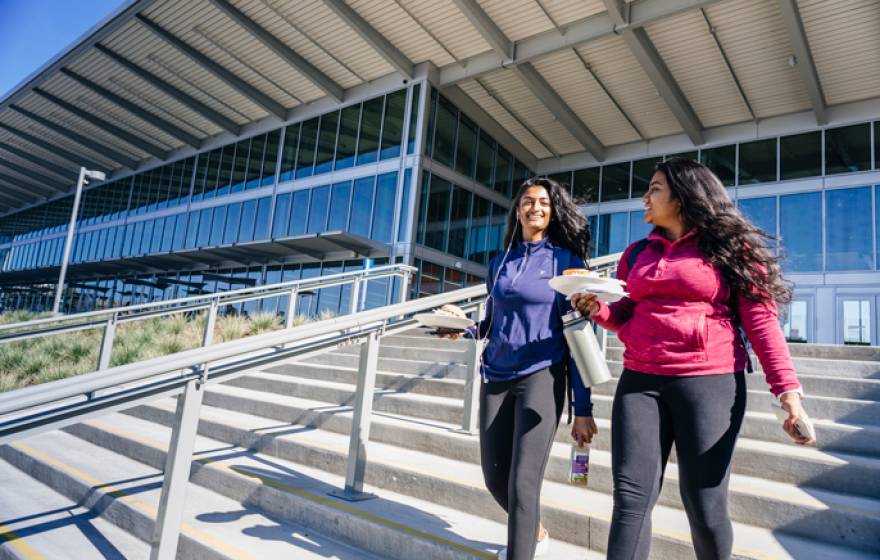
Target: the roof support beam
pixel 76 159
pixel 642 12
pixel 487 28
pixel 649 59
pixel 80 139
pixel 253 94
pixel 560 109
pixel 67 174
pixel 380 44
pixel 217 118
pixel 136 110
pixel 10 201
pixel 104 125
pixel 303 66
pixel 44 184
pixel 23 194
pixel 805 65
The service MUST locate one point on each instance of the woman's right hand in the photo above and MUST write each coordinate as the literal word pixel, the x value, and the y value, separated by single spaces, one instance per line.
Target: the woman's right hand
pixel 586 303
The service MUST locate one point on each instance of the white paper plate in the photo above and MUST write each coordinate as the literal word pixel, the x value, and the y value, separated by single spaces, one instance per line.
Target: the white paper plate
pixel 570 285
pixel 443 321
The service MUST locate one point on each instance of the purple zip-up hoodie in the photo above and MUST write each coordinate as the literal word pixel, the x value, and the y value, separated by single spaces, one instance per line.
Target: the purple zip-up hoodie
pixel 525 315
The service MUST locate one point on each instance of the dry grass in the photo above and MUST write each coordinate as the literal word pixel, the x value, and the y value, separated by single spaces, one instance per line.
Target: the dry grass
pixel 34 361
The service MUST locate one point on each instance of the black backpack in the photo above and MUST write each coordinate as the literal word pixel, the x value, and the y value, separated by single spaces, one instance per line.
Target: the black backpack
pixel 640 245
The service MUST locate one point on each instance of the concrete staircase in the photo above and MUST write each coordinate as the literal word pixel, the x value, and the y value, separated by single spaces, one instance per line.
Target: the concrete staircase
pixel 273 443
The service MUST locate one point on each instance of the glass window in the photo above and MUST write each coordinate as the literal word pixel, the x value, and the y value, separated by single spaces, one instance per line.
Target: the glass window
pixel 503 170
pixel 613 231
pixel 642 172
pixel 299 211
pixel 255 162
pixel 795 322
pixel 432 122
pixel 233 217
pixel 403 224
pixel 308 141
pixel 413 118
pixel 444 136
pixel 288 153
pixel 876 146
pixel 800 156
pixel 156 243
pixel 371 121
pixel 479 231
pixel 585 186
pixel 179 233
pixel 167 235
pixel 248 217
pixel 436 214
pixel 458 221
pixel 346 143
pixel 282 212
pixel 638 229
pixel 326 143
pixel 683 155
pixel 192 230
pixel 383 210
pixel 857 322
pixel 757 162
pixel 848 149
pixel 467 144
pixel 340 198
pixel 848 229
pixel 563 178
pixel 800 227
pixel 320 202
pixel 204 227
pixel 615 181
pixel 264 208
pixel 761 212
pixel 362 205
pixel 218 226
pixel 485 159
pixel 392 124
pixel 239 168
pixel 520 174
pixel 722 162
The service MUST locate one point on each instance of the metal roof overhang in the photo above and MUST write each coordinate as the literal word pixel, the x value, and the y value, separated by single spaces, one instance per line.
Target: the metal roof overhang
pixel 314 247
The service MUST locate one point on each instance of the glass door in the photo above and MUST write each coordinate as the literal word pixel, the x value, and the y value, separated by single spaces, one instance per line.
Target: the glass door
pixel 796 323
pixel 856 324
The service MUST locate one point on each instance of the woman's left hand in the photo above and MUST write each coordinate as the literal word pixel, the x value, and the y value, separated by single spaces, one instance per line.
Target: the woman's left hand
pixel 792 404
pixel 583 429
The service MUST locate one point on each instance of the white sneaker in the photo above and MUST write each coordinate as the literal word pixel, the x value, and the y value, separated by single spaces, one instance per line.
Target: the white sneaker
pixel 542 549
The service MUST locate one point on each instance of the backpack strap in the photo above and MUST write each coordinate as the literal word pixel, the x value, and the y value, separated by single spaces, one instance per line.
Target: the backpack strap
pixel 637 248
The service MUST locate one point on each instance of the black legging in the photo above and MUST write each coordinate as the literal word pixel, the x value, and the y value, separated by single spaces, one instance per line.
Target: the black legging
pixel 518 420
pixel 702 415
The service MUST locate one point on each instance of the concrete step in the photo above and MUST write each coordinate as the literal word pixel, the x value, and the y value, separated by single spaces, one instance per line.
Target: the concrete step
pixel 837 409
pixel 783 462
pixel 126 492
pixel 764 426
pixel 393 526
pixel 404 382
pixel 425 352
pixel 839 519
pixel 37 522
pixel 412 367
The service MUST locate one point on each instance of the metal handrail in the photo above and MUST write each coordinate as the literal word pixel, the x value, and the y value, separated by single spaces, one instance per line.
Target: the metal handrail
pixel 57 404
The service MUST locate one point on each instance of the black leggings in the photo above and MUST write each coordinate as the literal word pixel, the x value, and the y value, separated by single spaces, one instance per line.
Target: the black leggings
pixel 518 420
pixel 702 415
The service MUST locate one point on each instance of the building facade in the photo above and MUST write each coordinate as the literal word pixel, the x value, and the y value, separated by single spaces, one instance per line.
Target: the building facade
pixel 338 138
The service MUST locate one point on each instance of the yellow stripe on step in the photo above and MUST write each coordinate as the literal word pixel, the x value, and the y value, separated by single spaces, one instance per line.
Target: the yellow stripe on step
pixel 19 544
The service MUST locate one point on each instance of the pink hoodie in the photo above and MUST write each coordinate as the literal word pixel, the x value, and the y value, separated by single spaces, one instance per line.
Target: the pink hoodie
pixel 679 318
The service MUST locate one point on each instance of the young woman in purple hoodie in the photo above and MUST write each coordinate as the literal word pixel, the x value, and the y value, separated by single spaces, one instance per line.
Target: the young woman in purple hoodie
pixel 701 274
pixel 526 364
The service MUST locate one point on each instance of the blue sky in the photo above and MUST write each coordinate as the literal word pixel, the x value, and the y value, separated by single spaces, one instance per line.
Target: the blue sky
pixel 33 31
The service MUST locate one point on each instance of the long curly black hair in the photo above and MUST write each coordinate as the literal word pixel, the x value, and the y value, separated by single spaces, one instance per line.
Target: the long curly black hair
pixel 728 240
pixel 568 228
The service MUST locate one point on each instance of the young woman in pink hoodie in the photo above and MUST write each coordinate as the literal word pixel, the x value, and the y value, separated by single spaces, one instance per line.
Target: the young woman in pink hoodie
pixel 702 272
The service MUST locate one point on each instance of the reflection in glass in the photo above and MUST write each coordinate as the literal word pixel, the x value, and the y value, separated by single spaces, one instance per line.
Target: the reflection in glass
pixel 392 124
pixel 458 221
pixel 795 322
pixel 585 186
pixel 282 212
pixel 326 143
pixel 383 211
pixel 261 227
pixel 479 231
pixel 340 198
pixel 371 122
pixel 346 142
pixel 612 232
pixel 848 149
pixel 467 143
pixel 270 158
pixel 403 224
pixel 503 169
pixel 615 181
pixel 413 118
pixel 239 168
pixel 444 135
pixel 436 214
pixel 761 212
pixel 638 229
pixel 233 216
pixel 643 170
pixel 204 227
pixel 800 228
pixel 800 155
pixel 757 162
pixel 857 322
pixel 288 153
pixel 485 159
pixel 848 229
pixel 255 162
pixel 362 205
pixel 722 162
pixel 299 211
pixel 248 218
pixel 308 142
pixel 218 226
pixel 318 207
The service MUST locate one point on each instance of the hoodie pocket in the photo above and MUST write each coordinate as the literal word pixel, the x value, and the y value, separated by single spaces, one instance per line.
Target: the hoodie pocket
pixel 669 335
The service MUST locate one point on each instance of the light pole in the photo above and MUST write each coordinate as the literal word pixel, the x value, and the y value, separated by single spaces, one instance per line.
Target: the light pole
pixel 84 176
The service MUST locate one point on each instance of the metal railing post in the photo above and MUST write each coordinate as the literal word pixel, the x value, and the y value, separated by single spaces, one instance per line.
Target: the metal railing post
pixel 404 286
pixel 166 533
pixel 355 295
pixel 291 308
pixel 360 424
pixel 470 415
pixel 107 343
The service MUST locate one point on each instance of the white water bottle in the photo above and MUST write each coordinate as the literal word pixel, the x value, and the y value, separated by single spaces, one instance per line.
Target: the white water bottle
pixel 584 348
pixel 579 466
